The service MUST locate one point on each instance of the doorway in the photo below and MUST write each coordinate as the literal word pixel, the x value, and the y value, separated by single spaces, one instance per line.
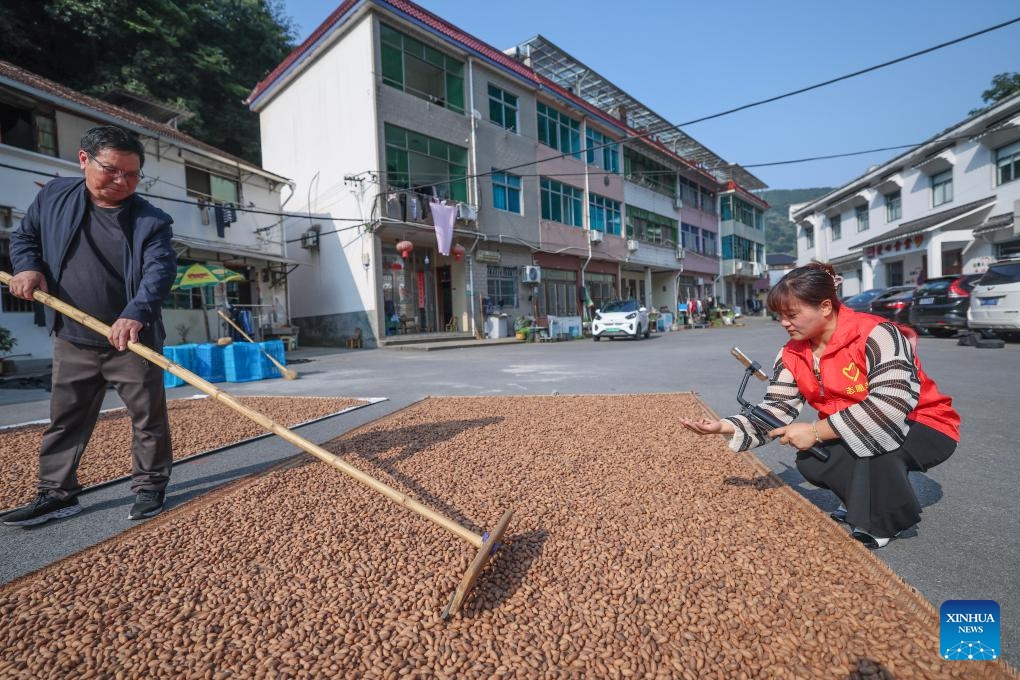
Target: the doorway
pixel 445 278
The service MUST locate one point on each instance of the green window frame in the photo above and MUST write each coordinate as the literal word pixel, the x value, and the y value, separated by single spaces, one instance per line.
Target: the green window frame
pixel 649 227
pixel 558 130
pixel 503 108
pixel 415 161
pixel 863 218
pixel 561 202
pixel 421 70
pixel 942 187
pixel 836 226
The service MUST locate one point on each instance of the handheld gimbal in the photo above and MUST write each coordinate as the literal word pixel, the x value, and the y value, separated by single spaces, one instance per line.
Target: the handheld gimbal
pixel 758 416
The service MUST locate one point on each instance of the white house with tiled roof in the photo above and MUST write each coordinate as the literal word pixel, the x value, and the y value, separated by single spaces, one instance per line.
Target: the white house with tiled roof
pixel 561 190
pixel 41 123
pixel 947 206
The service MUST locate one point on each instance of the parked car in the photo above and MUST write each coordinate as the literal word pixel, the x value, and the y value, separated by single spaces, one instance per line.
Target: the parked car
pixel 995 299
pixel 894 304
pixel 862 301
pixel 625 318
pixel 940 304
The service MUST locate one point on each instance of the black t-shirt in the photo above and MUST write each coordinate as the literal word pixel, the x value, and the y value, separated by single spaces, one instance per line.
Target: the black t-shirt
pixel 93 275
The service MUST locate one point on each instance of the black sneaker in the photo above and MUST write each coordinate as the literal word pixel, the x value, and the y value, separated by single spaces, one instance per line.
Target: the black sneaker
pixel 44 508
pixel 147 504
pixel 839 514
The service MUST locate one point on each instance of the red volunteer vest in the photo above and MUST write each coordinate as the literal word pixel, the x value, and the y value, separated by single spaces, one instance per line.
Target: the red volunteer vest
pixel 844 374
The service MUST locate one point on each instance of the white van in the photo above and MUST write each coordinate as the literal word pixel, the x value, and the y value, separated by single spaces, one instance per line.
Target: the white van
pixel 995 299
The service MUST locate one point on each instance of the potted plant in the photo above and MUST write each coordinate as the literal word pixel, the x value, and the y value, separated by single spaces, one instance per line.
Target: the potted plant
pixel 7 343
pixel 521 326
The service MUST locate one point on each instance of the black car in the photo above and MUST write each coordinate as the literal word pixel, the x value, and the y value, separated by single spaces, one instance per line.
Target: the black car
pixel 894 304
pixel 940 304
pixel 862 301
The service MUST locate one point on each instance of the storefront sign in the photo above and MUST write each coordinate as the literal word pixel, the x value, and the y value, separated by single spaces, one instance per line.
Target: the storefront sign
pixel 489 256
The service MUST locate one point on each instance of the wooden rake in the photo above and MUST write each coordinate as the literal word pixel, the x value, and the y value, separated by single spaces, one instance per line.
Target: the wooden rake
pixel 487 544
pixel 287 373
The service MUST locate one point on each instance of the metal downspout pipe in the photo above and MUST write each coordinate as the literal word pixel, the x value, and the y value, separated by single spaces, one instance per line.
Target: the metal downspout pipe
pixel 473 193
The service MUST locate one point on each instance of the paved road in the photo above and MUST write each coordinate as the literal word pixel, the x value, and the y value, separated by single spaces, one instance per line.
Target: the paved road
pixel 963 548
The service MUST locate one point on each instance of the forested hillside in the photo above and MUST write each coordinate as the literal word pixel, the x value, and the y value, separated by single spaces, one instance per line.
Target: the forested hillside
pixel 780 232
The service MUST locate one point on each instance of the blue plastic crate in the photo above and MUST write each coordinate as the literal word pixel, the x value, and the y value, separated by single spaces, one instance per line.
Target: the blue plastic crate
pixel 242 362
pixel 275 349
pixel 209 362
pixel 183 356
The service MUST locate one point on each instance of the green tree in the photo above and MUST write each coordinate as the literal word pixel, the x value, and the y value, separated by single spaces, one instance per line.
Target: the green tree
pixel 202 55
pixel 1003 85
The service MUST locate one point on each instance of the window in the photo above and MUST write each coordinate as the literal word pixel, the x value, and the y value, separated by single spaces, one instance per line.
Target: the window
pixel 690 237
pixel 1007 163
pixel 602 151
pixel 561 202
pixel 420 70
pixel 648 227
pixel 733 208
pixel 863 219
pixel 559 292
pixel 26 128
pixel 503 108
pixel 648 173
pixel 604 214
pixel 738 248
pixel 601 288
pixel 506 192
pixel 893 206
pixel 502 285
pixel 9 303
pixel 942 187
pixel 558 130
pixel 419 162
pixel 689 192
pixel 207 186
pixel 809 235
pixel 708 205
pixel 836 225
pixel 894 273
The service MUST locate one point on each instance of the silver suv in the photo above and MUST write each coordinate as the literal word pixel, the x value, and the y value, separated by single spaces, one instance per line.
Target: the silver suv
pixel 995 299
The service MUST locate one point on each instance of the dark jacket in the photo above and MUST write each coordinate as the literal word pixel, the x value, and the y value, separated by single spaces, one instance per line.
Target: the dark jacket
pixel 40 244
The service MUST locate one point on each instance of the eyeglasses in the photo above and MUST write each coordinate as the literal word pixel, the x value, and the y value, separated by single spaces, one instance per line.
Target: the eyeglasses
pixel 113 173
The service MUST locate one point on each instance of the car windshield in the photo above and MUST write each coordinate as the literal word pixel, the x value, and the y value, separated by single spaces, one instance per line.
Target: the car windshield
pixel 999 274
pixel 621 306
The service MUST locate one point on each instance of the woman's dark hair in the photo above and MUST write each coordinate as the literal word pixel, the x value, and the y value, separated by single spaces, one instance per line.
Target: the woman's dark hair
pixel 811 284
pixel 103 137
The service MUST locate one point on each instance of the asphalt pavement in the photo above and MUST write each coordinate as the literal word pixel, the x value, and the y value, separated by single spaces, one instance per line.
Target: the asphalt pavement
pixel 963 548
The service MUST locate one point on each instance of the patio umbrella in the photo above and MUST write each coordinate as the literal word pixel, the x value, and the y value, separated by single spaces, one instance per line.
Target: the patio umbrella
pixel 198 275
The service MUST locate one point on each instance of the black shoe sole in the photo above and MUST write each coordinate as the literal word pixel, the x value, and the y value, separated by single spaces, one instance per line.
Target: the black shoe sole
pixel 69 511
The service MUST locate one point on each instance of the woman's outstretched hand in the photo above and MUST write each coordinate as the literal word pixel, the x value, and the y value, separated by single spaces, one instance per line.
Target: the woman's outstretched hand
pixel 708 426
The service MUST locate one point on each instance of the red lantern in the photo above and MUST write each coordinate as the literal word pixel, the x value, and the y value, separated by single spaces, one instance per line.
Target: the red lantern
pixel 918 239
pixel 897 246
pixel 870 251
pixel 906 244
pixel 404 248
pixel 458 252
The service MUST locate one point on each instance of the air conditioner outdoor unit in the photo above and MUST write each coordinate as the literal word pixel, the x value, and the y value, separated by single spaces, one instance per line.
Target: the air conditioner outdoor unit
pixel 310 239
pixel 531 274
pixel 632 245
pixel 595 236
pixel 678 202
pixel 680 253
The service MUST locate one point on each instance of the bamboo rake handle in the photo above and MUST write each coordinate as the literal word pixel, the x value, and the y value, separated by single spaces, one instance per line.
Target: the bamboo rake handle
pixel 266 422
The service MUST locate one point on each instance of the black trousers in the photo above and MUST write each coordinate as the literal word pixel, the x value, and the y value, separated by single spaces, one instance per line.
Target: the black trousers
pixel 876 490
pixel 80 377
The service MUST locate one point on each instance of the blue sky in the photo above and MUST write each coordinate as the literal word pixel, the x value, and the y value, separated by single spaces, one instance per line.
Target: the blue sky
pixel 685 60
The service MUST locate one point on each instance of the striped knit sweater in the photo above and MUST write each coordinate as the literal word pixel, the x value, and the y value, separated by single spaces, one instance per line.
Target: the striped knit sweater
pixel 872 426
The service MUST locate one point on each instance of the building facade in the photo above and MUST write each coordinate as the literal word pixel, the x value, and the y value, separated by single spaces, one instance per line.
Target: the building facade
pixel 41 124
pixel 947 206
pixel 553 187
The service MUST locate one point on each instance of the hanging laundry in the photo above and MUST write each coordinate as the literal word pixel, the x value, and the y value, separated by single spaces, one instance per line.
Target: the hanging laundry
pixel 394 208
pixel 413 208
pixel 443 216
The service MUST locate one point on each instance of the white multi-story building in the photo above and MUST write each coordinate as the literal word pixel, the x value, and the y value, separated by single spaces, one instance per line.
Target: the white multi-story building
pixel 565 187
pixel 41 124
pixel 944 207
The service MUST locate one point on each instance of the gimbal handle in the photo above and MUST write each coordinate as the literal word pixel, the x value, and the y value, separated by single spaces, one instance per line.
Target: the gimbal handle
pixel 763 418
